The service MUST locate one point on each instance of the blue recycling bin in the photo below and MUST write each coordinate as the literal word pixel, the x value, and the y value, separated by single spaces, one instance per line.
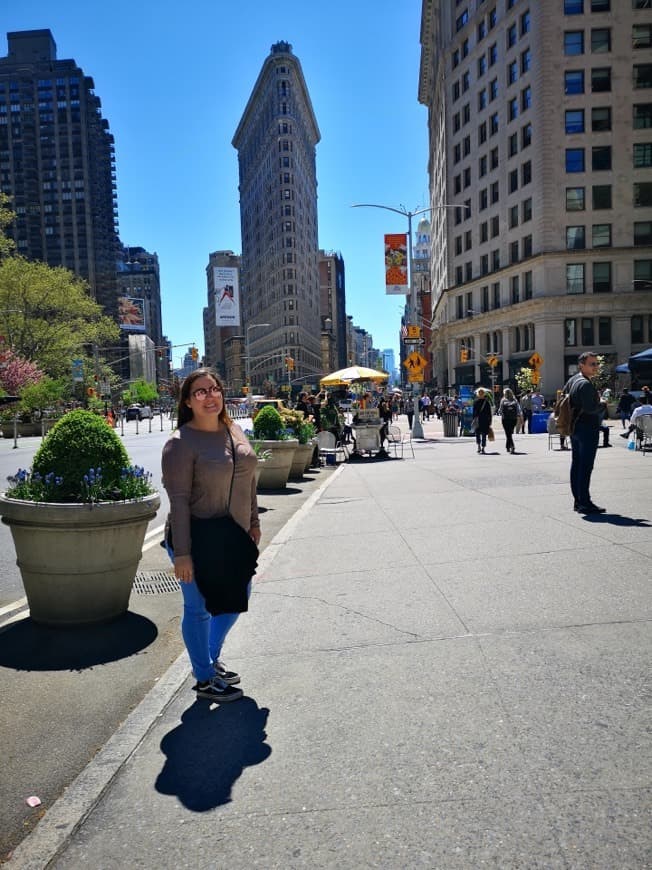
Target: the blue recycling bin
pixel 540 422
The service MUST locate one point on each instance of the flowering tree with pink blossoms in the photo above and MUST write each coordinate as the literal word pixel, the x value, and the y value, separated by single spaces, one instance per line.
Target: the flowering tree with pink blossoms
pixel 17 372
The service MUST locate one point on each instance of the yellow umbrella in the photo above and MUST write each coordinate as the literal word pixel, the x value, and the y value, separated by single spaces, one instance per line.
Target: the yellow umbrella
pixel 351 375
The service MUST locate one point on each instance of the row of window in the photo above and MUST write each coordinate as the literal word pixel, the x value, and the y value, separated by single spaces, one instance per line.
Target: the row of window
pixel 576 237
pixel 518 250
pixel 600 159
pixel 600 41
pixel 592 331
pixel 462 85
pixel 576 7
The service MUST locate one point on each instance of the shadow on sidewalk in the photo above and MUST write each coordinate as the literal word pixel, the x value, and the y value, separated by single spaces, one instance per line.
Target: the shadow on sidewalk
pixel 27 646
pixel 617 520
pixel 207 753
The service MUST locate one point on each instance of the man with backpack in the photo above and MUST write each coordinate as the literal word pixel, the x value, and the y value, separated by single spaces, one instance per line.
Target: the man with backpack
pixel 584 401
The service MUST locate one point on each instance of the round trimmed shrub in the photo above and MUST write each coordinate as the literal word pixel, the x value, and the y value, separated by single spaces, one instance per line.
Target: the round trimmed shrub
pixel 79 441
pixel 268 425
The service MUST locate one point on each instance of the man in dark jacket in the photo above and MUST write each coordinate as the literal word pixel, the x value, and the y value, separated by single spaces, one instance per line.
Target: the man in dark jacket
pixel 585 402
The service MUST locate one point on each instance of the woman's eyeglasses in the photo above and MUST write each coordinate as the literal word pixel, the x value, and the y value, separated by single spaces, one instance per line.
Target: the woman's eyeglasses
pixel 202 392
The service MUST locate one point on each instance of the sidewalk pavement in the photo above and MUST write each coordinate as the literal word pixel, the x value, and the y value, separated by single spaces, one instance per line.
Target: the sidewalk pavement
pixel 444 666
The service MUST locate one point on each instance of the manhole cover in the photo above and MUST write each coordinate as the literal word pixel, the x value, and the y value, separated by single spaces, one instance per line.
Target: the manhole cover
pixel 155 583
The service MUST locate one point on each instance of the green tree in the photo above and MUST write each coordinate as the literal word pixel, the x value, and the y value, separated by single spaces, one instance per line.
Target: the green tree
pixel 48 316
pixel 6 217
pixel 141 392
pixel 47 393
pixel 524 379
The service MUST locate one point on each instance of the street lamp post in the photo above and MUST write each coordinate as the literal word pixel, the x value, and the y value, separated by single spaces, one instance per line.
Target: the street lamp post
pixel 247 363
pixel 417 428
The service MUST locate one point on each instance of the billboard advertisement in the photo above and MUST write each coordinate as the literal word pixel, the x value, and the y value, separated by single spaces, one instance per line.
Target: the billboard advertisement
pixel 396 271
pixel 131 314
pixel 227 296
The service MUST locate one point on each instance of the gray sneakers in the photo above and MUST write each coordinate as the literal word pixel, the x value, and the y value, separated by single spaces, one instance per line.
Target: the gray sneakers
pixel 217 690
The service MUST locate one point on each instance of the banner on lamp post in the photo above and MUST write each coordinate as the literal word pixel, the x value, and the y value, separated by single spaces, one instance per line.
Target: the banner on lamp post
pixel 227 296
pixel 396 265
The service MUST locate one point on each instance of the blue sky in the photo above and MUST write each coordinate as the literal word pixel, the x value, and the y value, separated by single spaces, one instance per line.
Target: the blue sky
pixel 174 80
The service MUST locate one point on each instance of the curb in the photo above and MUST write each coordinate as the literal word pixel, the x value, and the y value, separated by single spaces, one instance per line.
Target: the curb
pixel 69 811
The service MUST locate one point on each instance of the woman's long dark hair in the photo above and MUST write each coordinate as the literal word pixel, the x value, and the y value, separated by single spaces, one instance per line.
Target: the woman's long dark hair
pixel 184 413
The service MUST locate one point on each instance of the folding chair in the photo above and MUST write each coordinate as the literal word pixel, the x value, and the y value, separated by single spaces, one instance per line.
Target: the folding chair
pixel 644 432
pixel 406 438
pixel 394 439
pixel 329 448
pixel 551 426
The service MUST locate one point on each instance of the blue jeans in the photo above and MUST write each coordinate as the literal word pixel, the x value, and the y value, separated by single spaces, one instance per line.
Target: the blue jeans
pixel 203 634
pixel 584 443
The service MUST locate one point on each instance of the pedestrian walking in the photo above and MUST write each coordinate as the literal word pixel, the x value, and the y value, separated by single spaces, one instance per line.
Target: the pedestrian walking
pixel 482 417
pixel 208 471
pixel 509 410
pixel 585 403
pixel 526 407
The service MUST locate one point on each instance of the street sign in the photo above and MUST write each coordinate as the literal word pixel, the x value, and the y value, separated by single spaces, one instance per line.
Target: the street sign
pixel 415 361
pixel 414 332
pixel 415 376
pixel 492 361
pixel 535 377
pixel 535 360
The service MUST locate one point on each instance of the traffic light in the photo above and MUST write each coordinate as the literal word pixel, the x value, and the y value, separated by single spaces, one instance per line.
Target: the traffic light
pixel 194 353
pixel 245 389
pixel 464 355
pixel 90 391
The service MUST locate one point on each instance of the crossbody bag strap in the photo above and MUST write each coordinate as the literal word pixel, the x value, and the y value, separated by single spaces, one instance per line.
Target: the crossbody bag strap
pixel 228 504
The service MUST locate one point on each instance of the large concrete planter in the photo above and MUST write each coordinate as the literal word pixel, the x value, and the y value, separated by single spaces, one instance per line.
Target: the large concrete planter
pixel 78 561
pixel 301 460
pixel 275 470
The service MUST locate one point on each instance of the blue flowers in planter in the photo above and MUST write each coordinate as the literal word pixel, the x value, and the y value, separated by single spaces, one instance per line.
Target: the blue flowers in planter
pixel 134 482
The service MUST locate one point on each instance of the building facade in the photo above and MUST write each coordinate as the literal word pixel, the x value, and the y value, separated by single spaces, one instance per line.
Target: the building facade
pixel 57 163
pixel 540 133
pixel 276 142
pixel 333 305
pixel 217 335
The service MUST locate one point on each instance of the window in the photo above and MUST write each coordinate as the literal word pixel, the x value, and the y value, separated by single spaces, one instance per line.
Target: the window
pixel 574 82
pixel 484 231
pixel 641 4
pixel 513 217
pixel 466 146
pixel 602 277
pixel 601 196
pixel 484 306
pixel 586 324
pixel 643 194
pixel 460 306
pixel 495 226
pixel 600 5
pixel 570 332
pixel 458 246
pixel 574 121
pixel 482 166
pixel 467 177
pixel 601 235
pixel 526 246
pixel 643 75
pixel 465 48
pixel 492 19
pixel 456 58
pixel 526 136
pixel 637 335
pixel 575 238
pixel 513 109
pixel 495 295
pixel 642 116
pixel 483 200
pixel 526 61
pixel 512 145
pixel 601 158
pixel 493 124
pixel 493 154
pixel 482 99
pixel 494 194
pixel 462 20
pixel 601 80
pixel 484 264
pixel 493 90
pixel 513 252
pixel 642 36
pixel 526 173
pixel 482 133
pixel 482 31
pixel 642 274
pixel 466 113
pixel 573 7
pixel 456 91
pixel 466 81
pixel 512 73
pixel 643 233
pixel 468 240
pixel 526 210
pixel 601 119
pixel 459 275
pixel 468 271
pixel 642 154
pixel 525 23
pixel 457 153
pixel 493 54
pixel 526 99
pixel 513 181
pixel 574 42
pixel 527 285
pixel 495 260
pixel 575 278
pixel 575 199
pixel 604 330
pixel 512 35
pixel 575 160
pixel 515 289
pixel 600 40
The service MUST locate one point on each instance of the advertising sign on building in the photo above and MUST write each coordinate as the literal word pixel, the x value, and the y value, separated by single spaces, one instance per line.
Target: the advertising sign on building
pixel 396 271
pixel 227 296
pixel 131 314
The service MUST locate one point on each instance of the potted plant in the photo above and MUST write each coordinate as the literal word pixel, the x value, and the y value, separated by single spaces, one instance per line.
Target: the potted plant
pixel 78 519
pixel 271 435
pixel 304 432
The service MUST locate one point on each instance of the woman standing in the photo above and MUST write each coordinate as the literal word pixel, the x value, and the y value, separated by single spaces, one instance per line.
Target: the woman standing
pixel 208 471
pixel 482 416
pixel 509 410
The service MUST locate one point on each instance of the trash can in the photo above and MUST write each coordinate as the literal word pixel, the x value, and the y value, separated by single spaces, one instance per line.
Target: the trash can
pixel 450 424
pixel 540 422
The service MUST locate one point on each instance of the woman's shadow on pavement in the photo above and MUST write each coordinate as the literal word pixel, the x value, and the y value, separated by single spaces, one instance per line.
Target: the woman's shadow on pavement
pixel 207 753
